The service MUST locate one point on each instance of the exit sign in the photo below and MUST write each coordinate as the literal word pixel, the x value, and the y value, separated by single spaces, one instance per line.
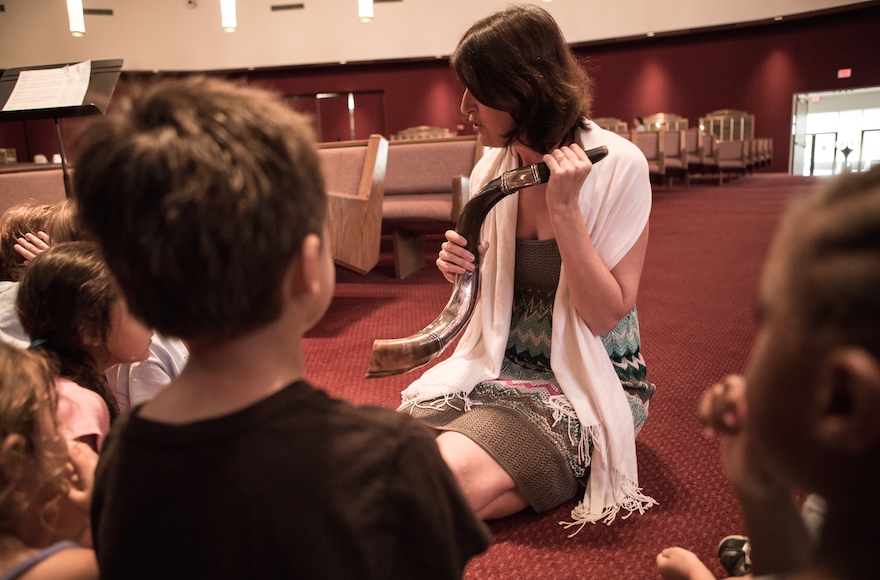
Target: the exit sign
pixel 844 73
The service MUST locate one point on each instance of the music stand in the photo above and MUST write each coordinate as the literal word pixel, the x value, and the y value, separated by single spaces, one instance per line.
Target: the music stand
pixel 102 81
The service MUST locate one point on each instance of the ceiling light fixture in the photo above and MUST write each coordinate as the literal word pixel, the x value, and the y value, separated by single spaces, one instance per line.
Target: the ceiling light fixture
pixel 365 10
pixel 76 18
pixel 227 15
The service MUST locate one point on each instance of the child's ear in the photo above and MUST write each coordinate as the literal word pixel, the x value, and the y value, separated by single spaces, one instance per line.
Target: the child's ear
pixel 848 400
pixel 13 452
pixel 303 273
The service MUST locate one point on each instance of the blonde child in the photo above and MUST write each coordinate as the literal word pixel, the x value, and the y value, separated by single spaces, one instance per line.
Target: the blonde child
pixel 807 414
pixel 45 488
pixel 76 317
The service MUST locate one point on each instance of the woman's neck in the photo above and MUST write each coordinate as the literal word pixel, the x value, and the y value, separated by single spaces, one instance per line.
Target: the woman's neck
pixel 527 155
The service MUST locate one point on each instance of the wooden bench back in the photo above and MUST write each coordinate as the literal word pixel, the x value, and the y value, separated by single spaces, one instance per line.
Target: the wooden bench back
pixel 354 174
pixel 428 165
pixel 40 183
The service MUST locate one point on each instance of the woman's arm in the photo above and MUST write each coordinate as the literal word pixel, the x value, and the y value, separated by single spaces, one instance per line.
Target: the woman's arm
pixel 601 296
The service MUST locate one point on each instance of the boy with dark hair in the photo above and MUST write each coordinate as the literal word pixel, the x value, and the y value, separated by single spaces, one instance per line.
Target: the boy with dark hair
pixel 209 204
pixel 806 416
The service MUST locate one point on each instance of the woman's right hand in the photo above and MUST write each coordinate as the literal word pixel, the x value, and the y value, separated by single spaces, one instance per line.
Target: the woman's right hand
pixel 454 258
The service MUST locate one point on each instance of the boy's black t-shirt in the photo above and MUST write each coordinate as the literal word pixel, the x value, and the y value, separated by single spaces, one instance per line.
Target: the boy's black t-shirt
pixel 299 485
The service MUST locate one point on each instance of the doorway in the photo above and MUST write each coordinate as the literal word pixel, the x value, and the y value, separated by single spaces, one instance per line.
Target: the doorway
pixel 343 116
pixel 835 131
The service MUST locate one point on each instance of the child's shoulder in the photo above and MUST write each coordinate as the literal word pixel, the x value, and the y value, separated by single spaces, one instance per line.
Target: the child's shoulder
pixel 378 420
pixel 64 562
pixel 300 411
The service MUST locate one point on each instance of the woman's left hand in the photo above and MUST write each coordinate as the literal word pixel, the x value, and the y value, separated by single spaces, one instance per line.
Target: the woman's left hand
pixel 569 167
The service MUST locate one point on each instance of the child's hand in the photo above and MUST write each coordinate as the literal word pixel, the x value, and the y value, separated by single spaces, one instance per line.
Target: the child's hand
pixel 30 246
pixel 723 408
pixel 81 473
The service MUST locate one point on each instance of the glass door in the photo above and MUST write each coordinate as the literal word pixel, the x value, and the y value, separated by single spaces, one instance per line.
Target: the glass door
pixel 823 154
pixel 801 142
pixel 870 150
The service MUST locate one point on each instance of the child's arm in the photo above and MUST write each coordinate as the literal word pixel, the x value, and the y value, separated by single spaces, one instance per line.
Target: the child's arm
pixel 777 534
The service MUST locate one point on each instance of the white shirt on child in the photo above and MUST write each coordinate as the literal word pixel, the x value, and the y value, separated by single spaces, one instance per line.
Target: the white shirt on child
pixel 137 383
pixel 10 326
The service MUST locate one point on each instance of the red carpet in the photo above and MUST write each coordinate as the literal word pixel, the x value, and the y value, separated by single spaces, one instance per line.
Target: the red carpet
pixel 696 307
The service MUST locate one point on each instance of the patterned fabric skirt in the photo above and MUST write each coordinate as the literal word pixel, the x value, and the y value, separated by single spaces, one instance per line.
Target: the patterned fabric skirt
pixel 522 418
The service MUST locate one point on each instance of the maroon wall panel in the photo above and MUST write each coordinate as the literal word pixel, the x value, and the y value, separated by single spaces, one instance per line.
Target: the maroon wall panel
pixel 369 115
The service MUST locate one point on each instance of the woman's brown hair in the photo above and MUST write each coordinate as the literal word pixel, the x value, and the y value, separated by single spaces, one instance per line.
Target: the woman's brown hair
pixel 517 61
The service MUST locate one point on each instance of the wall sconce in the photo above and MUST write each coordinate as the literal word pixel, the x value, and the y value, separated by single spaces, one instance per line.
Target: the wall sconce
pixel 227 15
pixel 365 10
pixel 76 18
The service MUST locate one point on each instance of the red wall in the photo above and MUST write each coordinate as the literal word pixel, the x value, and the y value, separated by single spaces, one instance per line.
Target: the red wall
pixel 756 69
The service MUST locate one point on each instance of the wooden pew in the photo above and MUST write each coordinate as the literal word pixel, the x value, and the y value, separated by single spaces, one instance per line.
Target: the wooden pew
pixel 26 181
pixel 426 186
pixel 354 174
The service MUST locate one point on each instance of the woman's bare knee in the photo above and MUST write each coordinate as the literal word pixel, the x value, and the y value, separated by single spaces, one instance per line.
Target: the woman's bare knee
pixel 482 479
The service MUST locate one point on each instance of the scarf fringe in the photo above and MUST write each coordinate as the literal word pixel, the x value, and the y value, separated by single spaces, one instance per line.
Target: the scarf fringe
pixel 633 500
pixel 439 403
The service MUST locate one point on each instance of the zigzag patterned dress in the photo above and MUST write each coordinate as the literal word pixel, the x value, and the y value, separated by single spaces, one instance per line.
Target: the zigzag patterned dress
pixel 522 418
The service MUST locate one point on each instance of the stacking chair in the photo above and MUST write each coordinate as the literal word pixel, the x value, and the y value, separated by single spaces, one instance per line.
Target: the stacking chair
pixel 676 157
pixel 732 157
pixel 710 157
pixel 626 134
pixel 651 145
pixel 695 149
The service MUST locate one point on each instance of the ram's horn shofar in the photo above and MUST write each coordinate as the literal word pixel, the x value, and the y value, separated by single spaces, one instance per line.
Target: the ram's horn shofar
pixel 400 355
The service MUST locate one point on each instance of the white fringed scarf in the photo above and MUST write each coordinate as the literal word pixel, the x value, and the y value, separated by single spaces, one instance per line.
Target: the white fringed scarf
pixel 615 201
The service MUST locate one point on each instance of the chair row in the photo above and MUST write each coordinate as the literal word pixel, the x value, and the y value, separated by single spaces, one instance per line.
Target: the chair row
pixel 681 154
pixel 405 188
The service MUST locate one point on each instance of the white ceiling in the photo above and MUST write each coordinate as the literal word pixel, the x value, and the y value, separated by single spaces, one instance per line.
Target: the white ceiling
pixel 168 35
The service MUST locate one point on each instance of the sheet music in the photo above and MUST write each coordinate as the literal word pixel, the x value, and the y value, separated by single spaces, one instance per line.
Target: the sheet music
pixel 50 88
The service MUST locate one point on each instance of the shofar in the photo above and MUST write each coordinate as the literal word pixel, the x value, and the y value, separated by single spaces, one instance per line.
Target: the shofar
pixel 400 355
